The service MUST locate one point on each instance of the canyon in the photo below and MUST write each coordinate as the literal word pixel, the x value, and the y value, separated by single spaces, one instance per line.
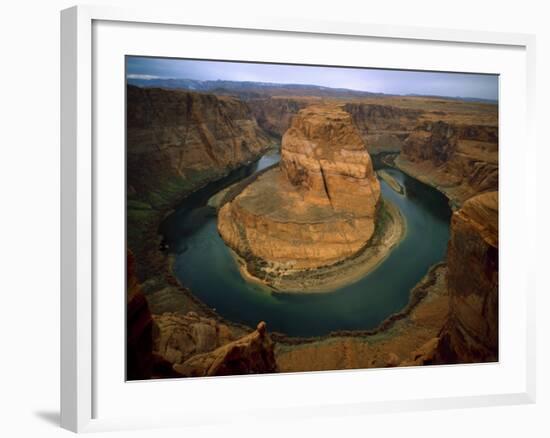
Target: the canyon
pixel 459 160
pixel 177 141
pixel 320 206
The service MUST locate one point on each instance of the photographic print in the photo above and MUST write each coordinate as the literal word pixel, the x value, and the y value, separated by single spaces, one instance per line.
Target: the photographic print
pixel 293 218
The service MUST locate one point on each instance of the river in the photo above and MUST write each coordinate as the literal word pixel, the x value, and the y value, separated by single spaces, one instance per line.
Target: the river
pixel 205 265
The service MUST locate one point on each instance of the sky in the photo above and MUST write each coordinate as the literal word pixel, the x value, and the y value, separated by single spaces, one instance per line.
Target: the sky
pixel 373 80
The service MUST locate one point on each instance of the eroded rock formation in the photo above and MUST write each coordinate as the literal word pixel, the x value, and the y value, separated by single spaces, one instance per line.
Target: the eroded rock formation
pixel 176 142
pixel 452 315
pixel 470 333
pixel 178 137
pixel 275 114
pixel 182 336
pixel 460 160
pixel 251 354
pixel 325 158
pixel 383 127
pixel 317 208
pixel 139 327
pixel 189 345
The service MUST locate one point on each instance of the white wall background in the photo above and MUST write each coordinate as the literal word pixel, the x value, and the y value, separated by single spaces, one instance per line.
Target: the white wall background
pixel 29 215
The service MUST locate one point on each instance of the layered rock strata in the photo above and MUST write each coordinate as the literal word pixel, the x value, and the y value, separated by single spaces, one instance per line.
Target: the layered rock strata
pixel 177 141
pixel 470 333
pixel 274 114
pixel 189 345
pixel 384 127
pixel 251 354
pixel 460 160
pixel 452 316
pixel 175 134
pixel 181 336
pixel 317 208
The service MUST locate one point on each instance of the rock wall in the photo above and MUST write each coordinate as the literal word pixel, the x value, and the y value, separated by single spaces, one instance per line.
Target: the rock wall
pixel 181 336
pixel 178 137
pixel 188 345
pixel 178 141
pixel 251 354
pixel 383 127
pixel 470 333
pixel 139 327
pixel 275 114
pixel 460 160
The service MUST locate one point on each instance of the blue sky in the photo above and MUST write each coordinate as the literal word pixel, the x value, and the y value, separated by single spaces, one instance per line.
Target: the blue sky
pixel 374 80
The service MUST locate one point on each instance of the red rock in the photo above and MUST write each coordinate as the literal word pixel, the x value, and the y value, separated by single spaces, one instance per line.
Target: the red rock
pixel 318 208
pixel 251 354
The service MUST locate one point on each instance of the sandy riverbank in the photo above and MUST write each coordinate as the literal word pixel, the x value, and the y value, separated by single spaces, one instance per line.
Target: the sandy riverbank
pixel 391 181
pixel 390 231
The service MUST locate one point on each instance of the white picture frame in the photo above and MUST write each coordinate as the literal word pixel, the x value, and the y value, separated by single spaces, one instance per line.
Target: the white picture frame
pixel 81 366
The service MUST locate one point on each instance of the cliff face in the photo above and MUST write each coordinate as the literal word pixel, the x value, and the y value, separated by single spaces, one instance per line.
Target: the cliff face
pixel 471 334
pixel 461 160
pixel 317 208
pixel 188 345
pixel 275 114
pixel 181 336
pixel 176 142
pixel 383 127
pixel 197 346
pixel 251 354
pixel 177 137
pixel 139 328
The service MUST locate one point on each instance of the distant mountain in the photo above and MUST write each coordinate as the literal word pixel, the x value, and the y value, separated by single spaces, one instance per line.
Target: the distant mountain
pixel 249 89
pixel 463 99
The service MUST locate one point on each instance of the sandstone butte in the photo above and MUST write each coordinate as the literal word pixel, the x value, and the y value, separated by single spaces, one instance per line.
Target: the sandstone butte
pixel 317 208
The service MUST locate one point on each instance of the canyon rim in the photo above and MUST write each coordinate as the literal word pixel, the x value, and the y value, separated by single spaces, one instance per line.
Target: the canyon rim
pixel 314 218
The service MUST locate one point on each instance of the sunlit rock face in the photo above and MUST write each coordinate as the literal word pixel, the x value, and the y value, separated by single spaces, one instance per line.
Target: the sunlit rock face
pixel 318 207
pixel 325 157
